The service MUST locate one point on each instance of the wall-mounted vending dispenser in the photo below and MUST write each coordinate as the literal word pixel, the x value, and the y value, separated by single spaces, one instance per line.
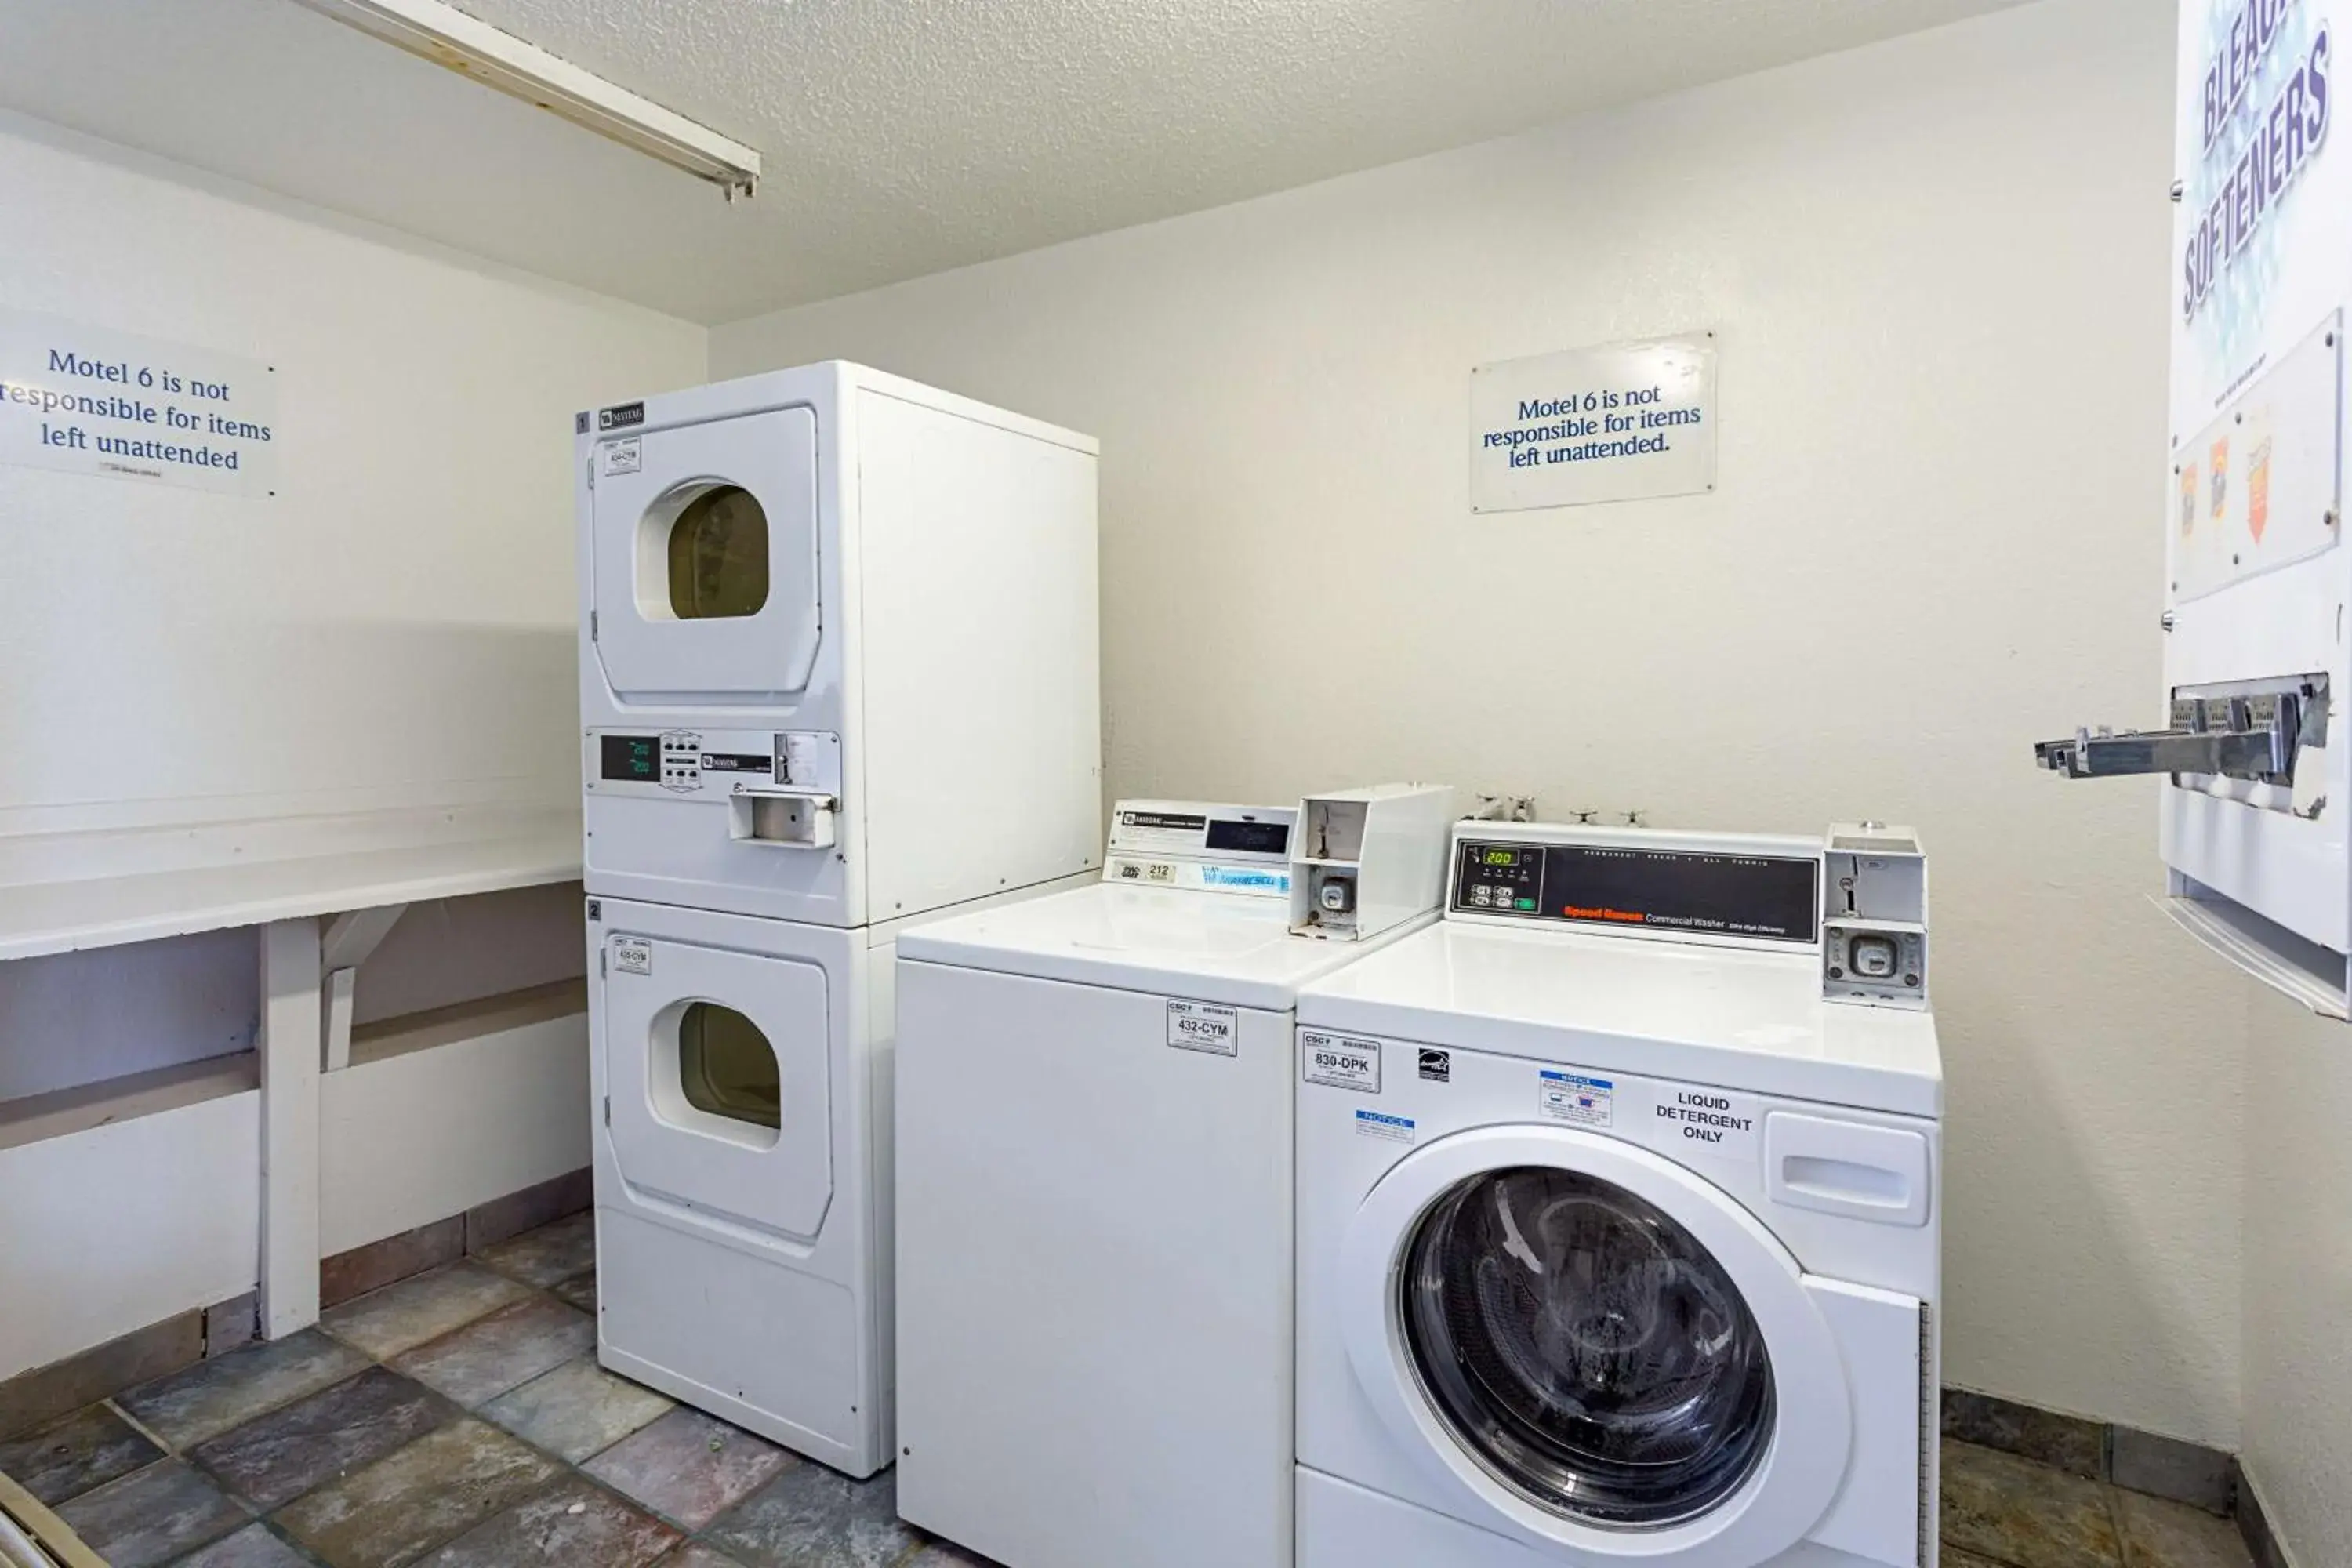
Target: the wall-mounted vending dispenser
pixel 1365 860
pixel 2256 795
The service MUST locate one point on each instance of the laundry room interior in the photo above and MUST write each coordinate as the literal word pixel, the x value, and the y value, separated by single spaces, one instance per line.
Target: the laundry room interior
pixel 1195 786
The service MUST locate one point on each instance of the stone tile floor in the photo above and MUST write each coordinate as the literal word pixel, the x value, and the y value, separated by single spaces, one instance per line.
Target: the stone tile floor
pixel 2002 1511
pixel 459 1420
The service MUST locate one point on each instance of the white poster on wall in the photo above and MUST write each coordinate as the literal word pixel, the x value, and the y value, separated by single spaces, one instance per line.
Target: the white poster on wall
pixel 1621 422
pixel 89 400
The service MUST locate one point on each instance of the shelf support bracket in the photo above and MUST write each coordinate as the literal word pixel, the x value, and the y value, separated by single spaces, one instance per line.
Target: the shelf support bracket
pixel 351 938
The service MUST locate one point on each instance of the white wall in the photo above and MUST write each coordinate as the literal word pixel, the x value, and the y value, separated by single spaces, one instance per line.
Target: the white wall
pixel 419 1136
pixel 75 1018
pixel 1938 268
pixel 2298 1251
pixel 394 629
pixel 395 626
pixel 111 1229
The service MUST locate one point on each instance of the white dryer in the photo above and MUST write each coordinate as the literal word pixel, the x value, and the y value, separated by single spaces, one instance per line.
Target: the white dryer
pixel 743 1169
pixel 838 648
pixel 1094 1187
pixel 838 671
pixel 1617 1241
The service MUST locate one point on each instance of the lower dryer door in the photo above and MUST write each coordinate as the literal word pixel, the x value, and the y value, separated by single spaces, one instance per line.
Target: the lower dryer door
pixel 719 1064
pixel 1589 1346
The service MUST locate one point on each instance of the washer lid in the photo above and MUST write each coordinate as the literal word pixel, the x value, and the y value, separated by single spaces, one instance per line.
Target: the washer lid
pixel 1743 1020
pixel 1217 949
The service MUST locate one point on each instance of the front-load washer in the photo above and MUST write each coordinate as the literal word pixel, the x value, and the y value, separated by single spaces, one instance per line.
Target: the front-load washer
pixel 838 648
pixel 1094 1188
pixel 1617 1240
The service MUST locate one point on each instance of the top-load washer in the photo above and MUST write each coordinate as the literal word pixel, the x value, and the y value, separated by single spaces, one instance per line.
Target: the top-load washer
pixel 1094 1182
pixel 838 647
pixel 1618 1213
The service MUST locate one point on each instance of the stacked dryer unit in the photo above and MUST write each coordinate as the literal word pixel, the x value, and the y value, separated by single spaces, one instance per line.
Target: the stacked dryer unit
pixel 838 670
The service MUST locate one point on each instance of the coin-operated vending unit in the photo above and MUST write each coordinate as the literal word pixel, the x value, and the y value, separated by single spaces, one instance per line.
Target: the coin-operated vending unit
pixel 2257 794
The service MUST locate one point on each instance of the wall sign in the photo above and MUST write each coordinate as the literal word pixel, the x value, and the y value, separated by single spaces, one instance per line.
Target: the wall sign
pixel 88 400
pixel 1621 422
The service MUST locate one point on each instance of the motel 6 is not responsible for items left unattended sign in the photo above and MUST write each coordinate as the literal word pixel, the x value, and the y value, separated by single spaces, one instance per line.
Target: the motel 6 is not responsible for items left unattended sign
pixel 89 400
pixel 1621 422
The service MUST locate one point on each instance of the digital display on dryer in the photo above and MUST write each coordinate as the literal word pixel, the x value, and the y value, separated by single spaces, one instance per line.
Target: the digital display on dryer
pixel 630 759
pixel 1628 888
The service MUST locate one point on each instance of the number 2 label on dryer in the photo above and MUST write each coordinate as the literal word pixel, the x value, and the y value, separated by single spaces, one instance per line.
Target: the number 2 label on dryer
pixel 632 956
pixel 1202 1026
pixel 1338 1062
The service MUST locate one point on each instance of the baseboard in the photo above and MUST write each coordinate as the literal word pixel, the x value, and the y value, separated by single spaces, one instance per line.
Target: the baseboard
pixel 377 1264
pixel 2262 1544
pixel 33 1399
pixel 2101 1450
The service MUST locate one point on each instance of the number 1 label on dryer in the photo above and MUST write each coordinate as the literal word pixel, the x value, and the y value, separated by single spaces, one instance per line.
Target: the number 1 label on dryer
pixel 1202 1026
pixel 632 956
pixel 624 456
pixel 1338 1062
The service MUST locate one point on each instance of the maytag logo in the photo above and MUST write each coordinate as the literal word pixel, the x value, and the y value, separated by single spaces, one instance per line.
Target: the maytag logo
pixel 620 417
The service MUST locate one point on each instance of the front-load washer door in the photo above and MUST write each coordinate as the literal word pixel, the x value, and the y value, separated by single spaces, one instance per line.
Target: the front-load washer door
pixel 718 1064
pixel 1590 1346
pixel 706 586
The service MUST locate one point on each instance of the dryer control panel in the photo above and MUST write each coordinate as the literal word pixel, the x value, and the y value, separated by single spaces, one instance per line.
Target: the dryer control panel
pixel 711 761
pixel 780 788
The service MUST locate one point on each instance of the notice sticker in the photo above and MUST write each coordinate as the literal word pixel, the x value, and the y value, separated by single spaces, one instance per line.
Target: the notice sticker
pixel 1708 1121
pixel 624 456
pixel 86 399
pixel 1202 1026
pixel 1337 1061
pixel 1373 1124
pixel 1572 1097
pixel 632 956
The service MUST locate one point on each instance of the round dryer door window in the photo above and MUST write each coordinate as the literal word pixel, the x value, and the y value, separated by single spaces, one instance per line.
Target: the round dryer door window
pixel 718 555
pixel 1585 1347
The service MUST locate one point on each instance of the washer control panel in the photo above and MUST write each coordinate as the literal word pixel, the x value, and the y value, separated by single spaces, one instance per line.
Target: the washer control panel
pixel 1641 884
pixel 1200 847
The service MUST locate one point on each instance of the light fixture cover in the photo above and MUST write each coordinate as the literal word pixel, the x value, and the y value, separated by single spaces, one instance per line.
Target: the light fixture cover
pixel 472 47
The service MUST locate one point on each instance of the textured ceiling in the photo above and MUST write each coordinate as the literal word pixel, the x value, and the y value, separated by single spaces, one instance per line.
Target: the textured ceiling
pixel 900 136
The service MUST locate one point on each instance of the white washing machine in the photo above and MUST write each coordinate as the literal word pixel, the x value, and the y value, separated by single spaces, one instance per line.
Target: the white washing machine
pixel 1617 1241
pixel 1094 1168
pixel 838 672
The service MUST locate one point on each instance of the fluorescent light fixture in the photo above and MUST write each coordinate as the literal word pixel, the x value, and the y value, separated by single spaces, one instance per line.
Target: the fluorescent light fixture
pixel 472 47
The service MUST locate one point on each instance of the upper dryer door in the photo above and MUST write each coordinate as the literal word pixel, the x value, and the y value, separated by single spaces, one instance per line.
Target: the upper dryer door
pixel 705 560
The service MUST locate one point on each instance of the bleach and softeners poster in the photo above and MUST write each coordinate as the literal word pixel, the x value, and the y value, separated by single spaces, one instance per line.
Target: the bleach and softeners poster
pixel 2264 230
pixel 2263 253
